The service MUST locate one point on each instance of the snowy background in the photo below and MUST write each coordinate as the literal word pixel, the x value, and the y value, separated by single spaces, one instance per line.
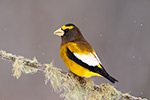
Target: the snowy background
pixel 118 30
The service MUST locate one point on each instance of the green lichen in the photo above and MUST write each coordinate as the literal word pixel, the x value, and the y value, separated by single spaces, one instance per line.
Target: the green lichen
pixel 29 69
pixel 71 88
pixel 19 67
pixel 69 85
pixel 53 75
pixel 6 55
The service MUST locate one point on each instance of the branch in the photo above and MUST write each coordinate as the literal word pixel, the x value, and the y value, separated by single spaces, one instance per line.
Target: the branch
pixel 70 85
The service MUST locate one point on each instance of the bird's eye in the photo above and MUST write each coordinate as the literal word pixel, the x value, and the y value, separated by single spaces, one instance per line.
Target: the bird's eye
pixel 66 30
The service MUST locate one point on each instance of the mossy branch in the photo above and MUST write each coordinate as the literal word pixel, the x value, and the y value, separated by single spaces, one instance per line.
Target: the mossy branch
pixel 70 86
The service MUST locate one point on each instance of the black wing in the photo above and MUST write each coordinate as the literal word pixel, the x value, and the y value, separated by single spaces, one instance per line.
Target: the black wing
pixel 95 69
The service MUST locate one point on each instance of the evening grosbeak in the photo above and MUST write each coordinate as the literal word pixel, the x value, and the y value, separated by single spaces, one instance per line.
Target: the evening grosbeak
pixel 78 55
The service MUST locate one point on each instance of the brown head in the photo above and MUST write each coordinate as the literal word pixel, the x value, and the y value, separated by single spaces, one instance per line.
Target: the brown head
pixel 68 33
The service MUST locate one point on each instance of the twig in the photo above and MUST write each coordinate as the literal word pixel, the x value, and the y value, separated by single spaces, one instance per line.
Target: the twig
pixel 66 82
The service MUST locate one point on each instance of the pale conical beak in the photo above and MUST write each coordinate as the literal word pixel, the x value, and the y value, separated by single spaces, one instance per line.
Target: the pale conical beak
pixel 59 32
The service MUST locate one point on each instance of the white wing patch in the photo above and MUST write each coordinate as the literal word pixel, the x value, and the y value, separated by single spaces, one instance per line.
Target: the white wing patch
pixel 88 59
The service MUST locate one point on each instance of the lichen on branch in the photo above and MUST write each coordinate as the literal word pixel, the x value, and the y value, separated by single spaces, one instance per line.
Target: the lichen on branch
pixel 69 85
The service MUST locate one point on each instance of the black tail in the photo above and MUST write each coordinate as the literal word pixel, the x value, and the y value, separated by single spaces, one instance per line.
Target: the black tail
pixel 113 80
pixel 106 75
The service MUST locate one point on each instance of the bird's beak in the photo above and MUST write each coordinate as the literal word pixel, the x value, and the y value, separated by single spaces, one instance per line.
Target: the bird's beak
pixel 59 32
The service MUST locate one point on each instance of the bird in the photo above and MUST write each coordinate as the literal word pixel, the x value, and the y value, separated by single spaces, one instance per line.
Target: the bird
pixel 78 55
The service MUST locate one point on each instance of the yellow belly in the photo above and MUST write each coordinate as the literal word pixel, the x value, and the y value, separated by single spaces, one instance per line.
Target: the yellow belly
pixel 74 67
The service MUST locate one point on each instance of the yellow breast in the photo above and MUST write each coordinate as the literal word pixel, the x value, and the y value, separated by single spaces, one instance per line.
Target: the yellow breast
pixel 72 66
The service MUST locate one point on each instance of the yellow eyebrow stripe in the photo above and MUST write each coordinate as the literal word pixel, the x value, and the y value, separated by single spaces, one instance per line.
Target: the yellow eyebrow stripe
pixel 67 27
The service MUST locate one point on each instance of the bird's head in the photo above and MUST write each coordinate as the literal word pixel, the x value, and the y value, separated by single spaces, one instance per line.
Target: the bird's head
pixel 68 32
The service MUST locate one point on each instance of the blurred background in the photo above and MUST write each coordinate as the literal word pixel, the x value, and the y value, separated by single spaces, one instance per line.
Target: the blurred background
pixel 118 30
